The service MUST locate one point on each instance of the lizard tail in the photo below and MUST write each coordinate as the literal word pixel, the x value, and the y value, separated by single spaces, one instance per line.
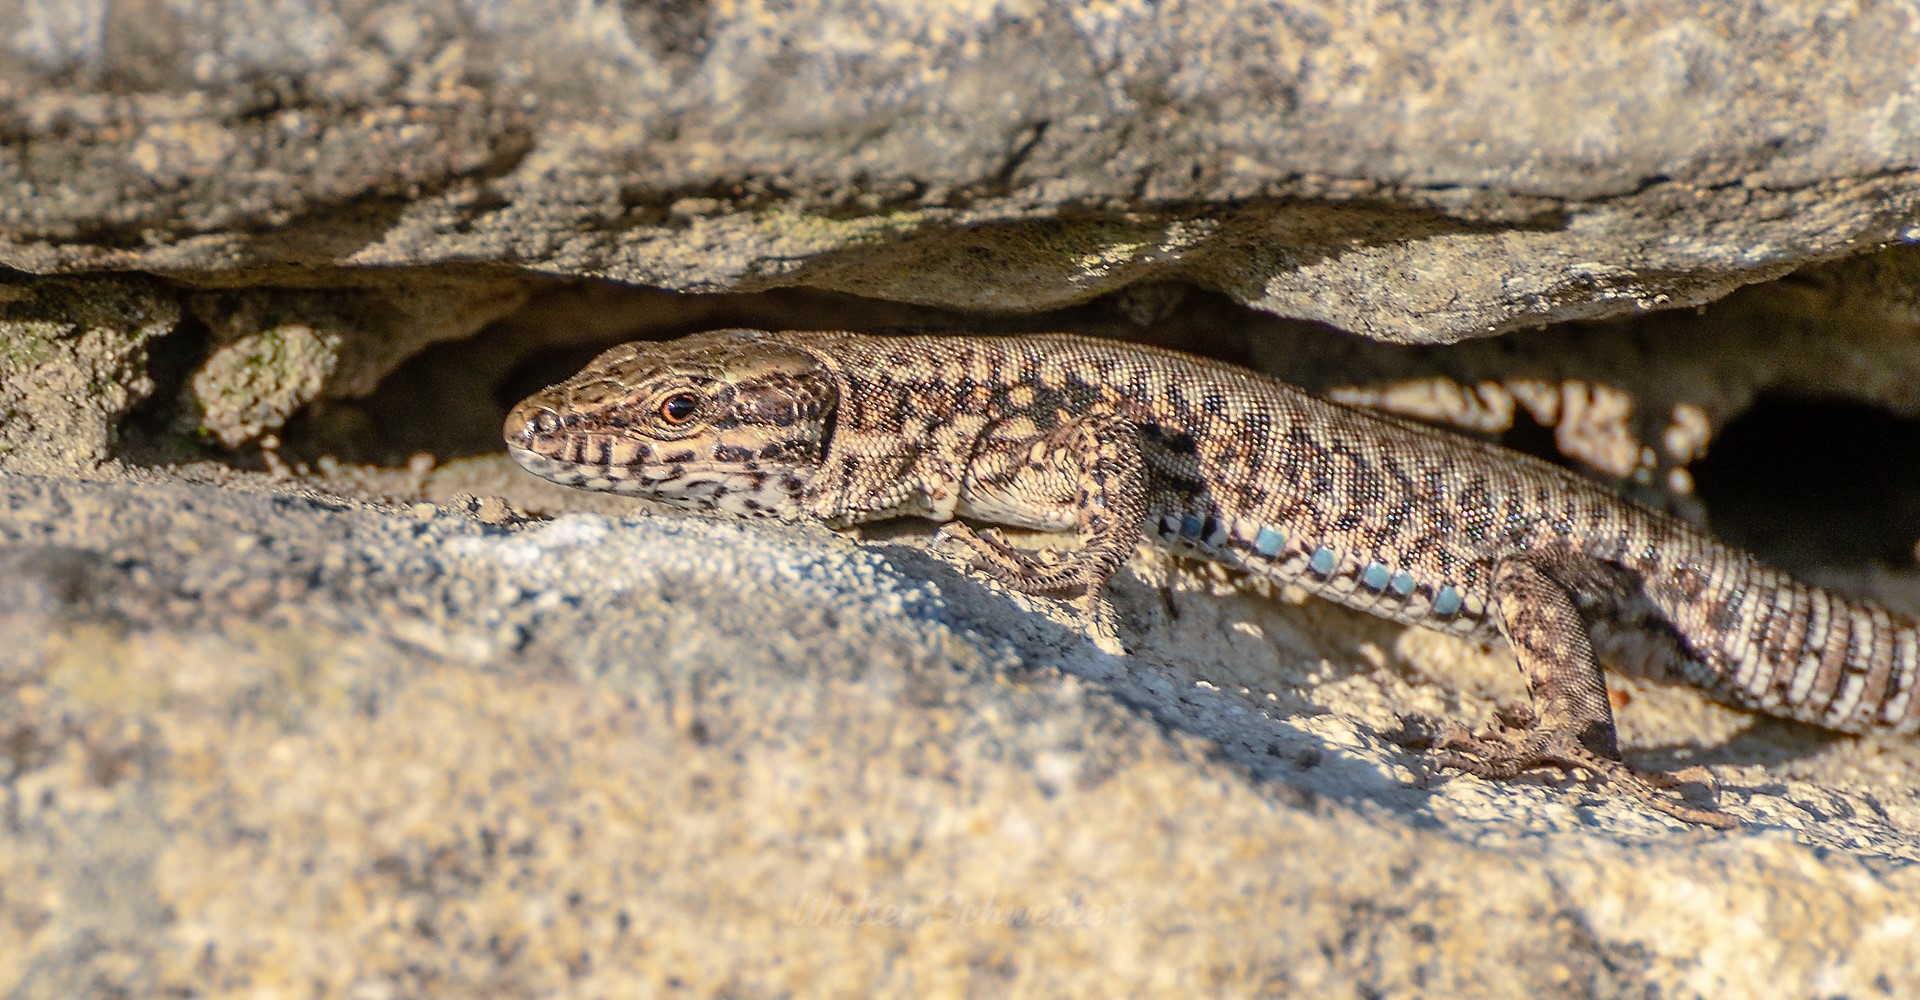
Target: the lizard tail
pixel 1792 649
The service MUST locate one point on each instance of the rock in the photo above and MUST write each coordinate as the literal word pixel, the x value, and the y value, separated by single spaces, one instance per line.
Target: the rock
pixel 253 739
pixel 270 261
pixel 1412 173
pixel 73 366
pixel 275 351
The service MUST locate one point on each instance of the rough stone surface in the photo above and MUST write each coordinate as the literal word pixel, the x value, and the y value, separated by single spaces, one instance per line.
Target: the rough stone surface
pixel 1415 172
pixel 272 352
pixel 73 365
pixel 256 739
pixel 261 743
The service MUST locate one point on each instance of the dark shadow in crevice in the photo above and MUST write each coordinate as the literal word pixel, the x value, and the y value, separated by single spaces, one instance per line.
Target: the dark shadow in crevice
pixel 1805 482
pixel 159 430
pixel 1534 438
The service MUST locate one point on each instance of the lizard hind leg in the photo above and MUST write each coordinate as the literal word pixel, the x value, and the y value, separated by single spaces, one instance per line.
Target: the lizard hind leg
pixel 1571 727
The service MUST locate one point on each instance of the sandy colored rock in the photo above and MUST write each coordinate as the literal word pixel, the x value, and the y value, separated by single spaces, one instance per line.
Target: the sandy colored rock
pixel 73 365
pixel 261 743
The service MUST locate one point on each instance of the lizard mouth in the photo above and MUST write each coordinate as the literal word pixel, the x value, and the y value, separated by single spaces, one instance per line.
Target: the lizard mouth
pixel 577 474
pixel 694 487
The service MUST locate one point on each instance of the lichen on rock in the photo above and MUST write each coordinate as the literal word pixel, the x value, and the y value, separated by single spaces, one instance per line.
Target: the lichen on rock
pixel 275 351
pixel 73 365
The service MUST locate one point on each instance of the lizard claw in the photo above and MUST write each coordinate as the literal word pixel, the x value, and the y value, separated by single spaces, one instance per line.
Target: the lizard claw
pixel 987 552
pixel 1501 755
pixel 969 549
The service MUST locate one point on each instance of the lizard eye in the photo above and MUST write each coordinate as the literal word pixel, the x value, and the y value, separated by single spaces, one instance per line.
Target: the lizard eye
pixel 678 408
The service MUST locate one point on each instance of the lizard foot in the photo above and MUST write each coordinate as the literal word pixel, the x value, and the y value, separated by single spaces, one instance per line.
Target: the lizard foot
pixel 1504 754
pixel 987 552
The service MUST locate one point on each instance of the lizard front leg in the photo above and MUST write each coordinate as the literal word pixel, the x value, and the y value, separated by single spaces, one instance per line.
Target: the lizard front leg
pixel 1089 473
pixel 1573 721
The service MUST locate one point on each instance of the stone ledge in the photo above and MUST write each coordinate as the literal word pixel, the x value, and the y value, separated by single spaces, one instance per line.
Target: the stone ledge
pixel 254 738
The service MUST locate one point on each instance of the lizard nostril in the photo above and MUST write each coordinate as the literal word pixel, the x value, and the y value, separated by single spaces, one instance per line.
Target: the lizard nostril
pixel 527 422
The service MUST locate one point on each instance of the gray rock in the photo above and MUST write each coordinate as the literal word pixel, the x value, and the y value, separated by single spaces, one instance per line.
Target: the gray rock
pixel 1413 172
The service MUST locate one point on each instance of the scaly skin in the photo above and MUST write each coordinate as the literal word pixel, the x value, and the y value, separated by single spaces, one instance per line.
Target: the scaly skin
pixel 1118 443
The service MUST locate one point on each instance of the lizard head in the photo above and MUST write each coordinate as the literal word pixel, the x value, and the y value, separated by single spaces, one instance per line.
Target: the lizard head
pixel 732 420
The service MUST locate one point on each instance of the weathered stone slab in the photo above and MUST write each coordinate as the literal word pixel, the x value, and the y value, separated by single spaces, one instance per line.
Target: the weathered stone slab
pixel 1414 172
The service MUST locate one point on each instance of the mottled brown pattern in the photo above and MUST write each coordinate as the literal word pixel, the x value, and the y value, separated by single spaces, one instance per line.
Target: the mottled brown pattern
pixel 1116 442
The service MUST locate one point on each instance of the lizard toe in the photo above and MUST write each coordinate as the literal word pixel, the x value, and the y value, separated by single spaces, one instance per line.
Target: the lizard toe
pixel 1498 757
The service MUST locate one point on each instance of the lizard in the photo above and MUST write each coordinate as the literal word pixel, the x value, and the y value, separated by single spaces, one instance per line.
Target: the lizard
pixel 1120 444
